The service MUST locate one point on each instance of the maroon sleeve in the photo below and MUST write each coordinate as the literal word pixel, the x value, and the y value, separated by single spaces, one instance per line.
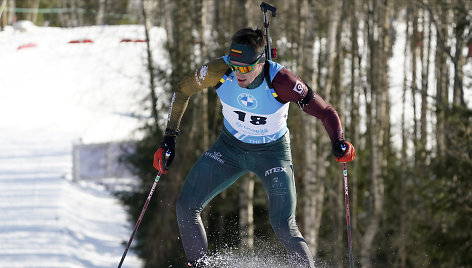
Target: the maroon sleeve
pixel 291 88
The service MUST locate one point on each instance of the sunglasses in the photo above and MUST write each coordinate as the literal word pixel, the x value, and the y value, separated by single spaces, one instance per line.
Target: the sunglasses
pixel 246 68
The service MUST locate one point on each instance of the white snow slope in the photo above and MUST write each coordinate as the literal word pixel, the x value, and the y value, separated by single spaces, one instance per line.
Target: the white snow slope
pixel 52 95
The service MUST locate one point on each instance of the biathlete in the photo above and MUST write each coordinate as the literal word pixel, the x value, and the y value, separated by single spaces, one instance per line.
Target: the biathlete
pixel 255 95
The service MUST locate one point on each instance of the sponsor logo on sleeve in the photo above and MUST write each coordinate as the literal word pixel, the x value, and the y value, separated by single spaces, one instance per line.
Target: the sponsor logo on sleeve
pixel 298 87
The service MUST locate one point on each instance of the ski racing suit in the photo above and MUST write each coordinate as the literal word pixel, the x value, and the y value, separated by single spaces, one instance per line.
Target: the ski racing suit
pixel 254 138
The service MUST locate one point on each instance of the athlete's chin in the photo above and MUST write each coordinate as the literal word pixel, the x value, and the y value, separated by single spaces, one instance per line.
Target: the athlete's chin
pixel 243 83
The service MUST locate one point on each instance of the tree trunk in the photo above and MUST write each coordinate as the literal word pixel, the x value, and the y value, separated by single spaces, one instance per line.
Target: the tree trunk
pixel 3 13
pixel 340 104
pixel 74 13
pixel 150 63
pixel 331 46
pixel 355 116
pixel 204 27
pixel 373 136
pixel 314 179
pixel 246 212
pixel 414 87
pixel 313 191
pixel 80 12
pixel 459 59
pixel 34 15
pixel 376 115
pixel 425 59
pixel 169 23
pixel 442 87
pixel 384 105
pixel 314 187
pixel 100 19
pixel 12 13
pixel 402 180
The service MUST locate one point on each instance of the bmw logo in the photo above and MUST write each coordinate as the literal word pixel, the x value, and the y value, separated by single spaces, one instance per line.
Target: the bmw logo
pixel 247 101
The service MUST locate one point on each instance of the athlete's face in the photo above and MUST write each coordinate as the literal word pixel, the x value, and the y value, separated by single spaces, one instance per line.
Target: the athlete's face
pixel 245 79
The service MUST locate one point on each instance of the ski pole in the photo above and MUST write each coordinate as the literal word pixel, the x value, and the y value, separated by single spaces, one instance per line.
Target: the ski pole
pixel 348 217
pixel 140 218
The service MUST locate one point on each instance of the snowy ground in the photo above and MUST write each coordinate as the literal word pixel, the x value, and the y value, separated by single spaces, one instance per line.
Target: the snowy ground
pixel 52 95
pixel 48 221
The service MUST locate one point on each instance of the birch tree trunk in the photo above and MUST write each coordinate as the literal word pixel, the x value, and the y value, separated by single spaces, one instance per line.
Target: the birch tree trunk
pixel 313 190
pixel 168 22
pixel 204 27
pixel 402 180
pixel 323 143
pixel 246 212
pixel 425 59
pixel 442 86
pixel 34 16
pixel 313 186
pixel 316 154
pixel 80 12
pixel 146 5
pixel 459 59
pixel 100 19
pixel 354 129
pixel 331 46
pixel 11 13
pixel 384 104
pixel 340 105
pixel 74 13
pixel 376 115
pixel 414 87
pixel 372 138
pixel 4 13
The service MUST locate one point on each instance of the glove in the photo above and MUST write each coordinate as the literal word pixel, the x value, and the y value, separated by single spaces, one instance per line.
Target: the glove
pixel 164 156
pixel 343 151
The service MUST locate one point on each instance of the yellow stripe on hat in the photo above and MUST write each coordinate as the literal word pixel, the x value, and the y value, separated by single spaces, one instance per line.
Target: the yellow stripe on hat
pixel 237 51
pixel 222 80
pixel 275 94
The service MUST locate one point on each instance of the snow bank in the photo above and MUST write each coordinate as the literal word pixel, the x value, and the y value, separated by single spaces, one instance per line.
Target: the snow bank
pixel 24 26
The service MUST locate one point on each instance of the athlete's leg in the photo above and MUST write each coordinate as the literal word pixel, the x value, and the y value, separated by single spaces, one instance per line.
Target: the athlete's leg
pixel 215 171
pixel 274 168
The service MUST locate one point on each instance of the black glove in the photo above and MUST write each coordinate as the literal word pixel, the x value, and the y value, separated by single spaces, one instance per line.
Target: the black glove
pixel 339 148
pixel 344 151
pixel 168 143
pixel 164 156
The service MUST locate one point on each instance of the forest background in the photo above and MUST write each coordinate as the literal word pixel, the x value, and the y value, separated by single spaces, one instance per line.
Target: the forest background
pixel 398 72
